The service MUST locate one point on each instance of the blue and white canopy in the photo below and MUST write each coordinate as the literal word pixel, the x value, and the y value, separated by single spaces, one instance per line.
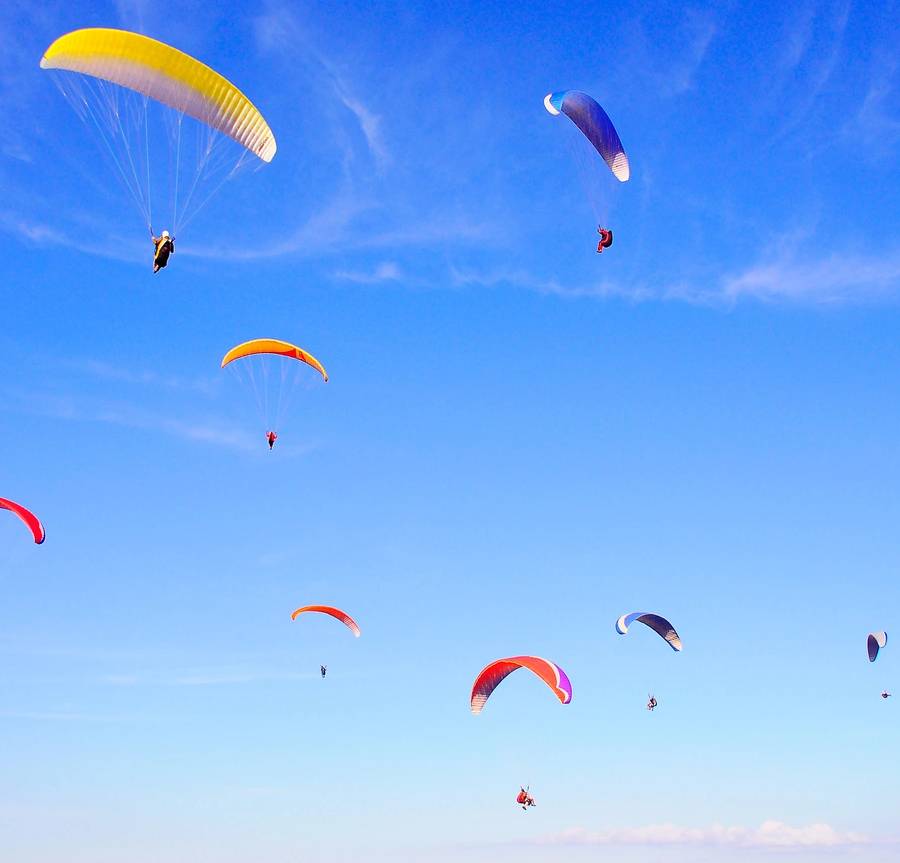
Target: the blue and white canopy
pixel 874 643
pixel 658 624
pixel 586 113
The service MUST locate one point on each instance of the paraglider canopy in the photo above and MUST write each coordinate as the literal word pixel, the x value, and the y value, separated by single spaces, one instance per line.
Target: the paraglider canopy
pixel 336 613
pixel 874 643
pixel 492 676
pixel 585 112
pixel 274 371
pixel 658 624
pixel 30 520
pixel 273 346
pixel 167 75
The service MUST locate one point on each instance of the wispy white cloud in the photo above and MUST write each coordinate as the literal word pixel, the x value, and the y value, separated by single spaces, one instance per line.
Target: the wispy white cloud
pixel 433 229
pixel 324 232
pixel 123 414
pixel 61 716
pixel 369 122
pixel 235 675
pixel 786 276
pixel 811 64
pixel 327 230
pixel 17 78
pixel 386 271
pixel 333 229
pixel 834 278
pixel 133 14
pixel 279 28
pixel 772 834
pixel 798 35
pixel 876 125
pixel 671 68
pixel 35 232
pixel 701 29
pixel 38 233
pixel 120 374
pixel 549 285
pixel 202 431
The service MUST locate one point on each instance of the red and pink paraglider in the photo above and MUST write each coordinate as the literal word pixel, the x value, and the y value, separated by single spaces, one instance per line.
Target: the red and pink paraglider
pixel 493 675
pixel 30 520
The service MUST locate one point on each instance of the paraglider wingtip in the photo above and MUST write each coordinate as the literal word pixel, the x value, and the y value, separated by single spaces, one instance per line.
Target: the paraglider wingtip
pixel 268 149
pixel 548 104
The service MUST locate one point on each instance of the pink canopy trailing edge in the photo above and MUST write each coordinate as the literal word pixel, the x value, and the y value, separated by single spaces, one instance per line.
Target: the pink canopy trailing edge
pixel 492 675
pixel 336 613
pixel 29 518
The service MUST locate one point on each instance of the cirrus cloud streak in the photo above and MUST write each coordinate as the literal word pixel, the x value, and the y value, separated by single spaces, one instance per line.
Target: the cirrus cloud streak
pixel 770 834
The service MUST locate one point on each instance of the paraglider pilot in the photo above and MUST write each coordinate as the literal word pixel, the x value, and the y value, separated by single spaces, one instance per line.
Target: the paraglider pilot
pixel 163 246
pixel 524 799
pixel 651 703
pixel 271 437
pixel 606 239
pixel 324 669
pixel 885 694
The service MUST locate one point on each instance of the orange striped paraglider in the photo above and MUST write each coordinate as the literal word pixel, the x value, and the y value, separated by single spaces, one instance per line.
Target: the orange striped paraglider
pixel 336 613
pixel 274 347
pixel 269 367
pixel 331 611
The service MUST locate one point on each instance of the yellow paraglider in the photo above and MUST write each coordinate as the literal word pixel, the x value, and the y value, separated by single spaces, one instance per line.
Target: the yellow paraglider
pixel 133 93
pixel 167 75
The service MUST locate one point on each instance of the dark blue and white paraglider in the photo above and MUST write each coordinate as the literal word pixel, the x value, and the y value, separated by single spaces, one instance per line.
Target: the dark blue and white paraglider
pixel 585 112
pixel 874 643
pixel 598 136
pixel 658 624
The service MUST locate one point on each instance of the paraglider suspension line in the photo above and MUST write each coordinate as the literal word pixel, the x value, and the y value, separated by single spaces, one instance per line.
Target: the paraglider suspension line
pixel 177 174
pixel 132 189
pixel 147 161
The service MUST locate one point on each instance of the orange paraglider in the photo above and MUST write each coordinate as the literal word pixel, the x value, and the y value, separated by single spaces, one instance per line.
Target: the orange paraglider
pixel 273 346
pixel 274 370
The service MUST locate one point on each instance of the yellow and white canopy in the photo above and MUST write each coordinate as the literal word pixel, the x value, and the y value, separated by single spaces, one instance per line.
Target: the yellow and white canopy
pixel 167 75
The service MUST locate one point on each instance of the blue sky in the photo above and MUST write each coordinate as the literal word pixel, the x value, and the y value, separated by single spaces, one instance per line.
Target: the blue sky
pixel 520 440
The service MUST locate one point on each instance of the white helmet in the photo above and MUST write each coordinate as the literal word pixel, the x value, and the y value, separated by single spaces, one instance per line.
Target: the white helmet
pixel 165 234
